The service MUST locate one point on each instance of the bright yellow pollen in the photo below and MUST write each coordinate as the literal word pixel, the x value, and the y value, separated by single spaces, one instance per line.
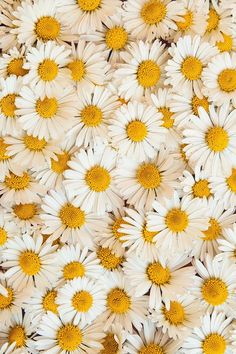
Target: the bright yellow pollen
pixel 187 21
pixel 91 116
pixel 151 348
pixel 231 181
pixel 199 102
pixel 118 301
pixel 227 80
pixel 175 315
pixel 110 345
pixel 33 143
pixel 48 70
pixel 201 189
pixel 153 12
pixel 213 20
pixel 47 28
pixel 77 69
pixel 108 259
pixel 136 131
pixel 7 105
pixel 15 67
pixel 73 270
pixel 158 274
pixel 17 334
pixel 167 119
pixel 226 45
pixel 217 139
pixel 69 337
pixel 72 216
pixel 6 301
pixel 82 301
pixel 89 5
pixel 62 164
pixel 214 343
pixel 25 211
pixel 29 262
pixel 17 182
pixel 192 68
pixel 47 108
pixel 116 38
pixel 176 220
pixel 49 303
pixel 214 291
pixel 148 73
pixel 148 235
pixel 98 179
pixel 213 231
pixel 3 150
pixel 3 236
pixel 116 226
pixel 148 176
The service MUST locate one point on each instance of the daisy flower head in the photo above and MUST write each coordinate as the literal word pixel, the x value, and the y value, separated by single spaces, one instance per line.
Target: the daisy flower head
pixel 136 130
pixel 184 70
pixel 224 187
pixel 178 222
pixel 12 63
pixel 91 180
pixel 211 140
pixel 109 259
pixel 227 244
pixel 141 182
pixel 215 285
pixel 8 229
pixel 143 69
pixel 25 215
pixel 114 339
pixel 30 262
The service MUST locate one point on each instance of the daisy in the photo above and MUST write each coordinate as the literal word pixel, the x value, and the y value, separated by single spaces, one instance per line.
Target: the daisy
pixel 179 222
pixel 213 336
pixel 178 317
pixel 215 285
pixel 7 164
pixel 140 182
pixel 109 260
pixel 224 187
pixel 94 110
pixel 91 180
pixel 30 261
pixel 219 79
pixel 189 57
pixel 150 19
pixel 211 140
pixel 163 278
pixel 143 69
pixel 12 63
pixel 8 229
pixel 114 339
pixel 227 245
pixel 10 349
pixel 46 117
pixel 26 216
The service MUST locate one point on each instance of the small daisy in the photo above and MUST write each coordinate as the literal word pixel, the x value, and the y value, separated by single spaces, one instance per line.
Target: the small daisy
pixel 7 164
pixel 26 216
pixel 91 180
pixel 216 284
pixel 12 63
pixel 189 57
pixel 30 261
pixel 110 261
pixel 178 222
pixel 211 140
pixel 59 336
pixel 11 349
pixel 143 70
pixel 8 229
pixel 227 245
pixel 113 341
pixel 140 182
pixel 163 278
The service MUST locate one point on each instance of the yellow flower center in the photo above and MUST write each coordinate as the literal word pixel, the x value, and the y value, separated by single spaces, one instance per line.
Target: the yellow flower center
pixel 151 348
pixel 158 274
pixel 91 116
pixel 17 334
pixel 62 164
pixel 187 21
pixel 15 67
pixel 98 179
pixel 217 139
pixel 89 5
pixel 226 45
pixel 3 150
pixel 82 301
pixel 153 12
pixel 213 20
pixel 148 73
pixel 136 131
pixel 201 189
pixel 213 231
pixel 77 69
pixel 6 301
pixel 108 259
pixel 72 216
pixel 49 303
pixel 199 102
pixel 116 226
pixel 47 108
pixel 3 236
pixel 17 182
pixel 47 28
pixel 175 315
pixel 116 38
pixel 192 68
pixel 73 270
pixel 48 70
pixel 148 235
pixel 29 262
pixel 33 143
pixel 176 220
pixel 214 343
pixel 69 337
pixel 7 105
pixel 227 80
pixel 148 176
pixel 214 291
pixel 25 211
pixel 109 344
pixel 231 181
pixel 118 301
pixel 167 119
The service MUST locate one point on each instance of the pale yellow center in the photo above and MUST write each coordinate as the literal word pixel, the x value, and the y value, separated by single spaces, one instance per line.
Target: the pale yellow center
pixel 217 139
pixel 153 12
pixel 118 301
pixel 148 176
pixel 71 216
pixel 148 73
pixel 214 291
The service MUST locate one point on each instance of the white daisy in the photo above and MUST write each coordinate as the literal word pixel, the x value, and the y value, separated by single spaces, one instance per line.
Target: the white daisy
pixel 7 164
pixel 26 216
pixel 12 63
pixel 110 260
pixel 227 245
pixel 114 340
pixel 8 229
pixel 224 188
